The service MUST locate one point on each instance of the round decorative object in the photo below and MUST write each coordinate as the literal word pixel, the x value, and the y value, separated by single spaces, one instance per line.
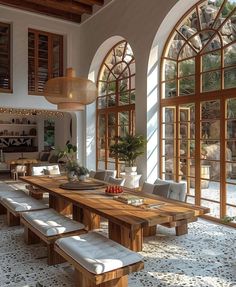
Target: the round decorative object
pixel 82 185
pixel 113 190
pixel 70 92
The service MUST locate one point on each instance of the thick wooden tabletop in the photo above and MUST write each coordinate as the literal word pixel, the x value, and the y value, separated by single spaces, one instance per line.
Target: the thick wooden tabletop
pixel 97 201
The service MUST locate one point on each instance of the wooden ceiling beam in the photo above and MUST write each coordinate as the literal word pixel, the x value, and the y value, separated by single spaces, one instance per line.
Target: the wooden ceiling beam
pixel 32 7
pixel 91 2
pixel 65 5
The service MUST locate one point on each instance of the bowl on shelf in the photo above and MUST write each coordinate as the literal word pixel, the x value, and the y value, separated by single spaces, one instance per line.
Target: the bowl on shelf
pixel 112 190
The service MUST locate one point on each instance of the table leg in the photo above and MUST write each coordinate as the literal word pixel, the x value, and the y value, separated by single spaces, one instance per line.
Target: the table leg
pixel 130 238
pixel 182 229
pixel 60 205
pixel 89 219
pixel 3 210
pixel 149 231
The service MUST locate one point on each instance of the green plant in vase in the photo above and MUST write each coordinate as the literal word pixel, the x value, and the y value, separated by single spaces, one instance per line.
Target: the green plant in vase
pixel 128 148
pixel 74 170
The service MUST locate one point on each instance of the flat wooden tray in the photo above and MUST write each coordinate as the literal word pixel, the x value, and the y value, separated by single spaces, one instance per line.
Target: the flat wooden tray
pixel 82 185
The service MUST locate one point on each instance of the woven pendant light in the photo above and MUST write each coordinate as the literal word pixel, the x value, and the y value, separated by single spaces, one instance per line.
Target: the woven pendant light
pixel 70 92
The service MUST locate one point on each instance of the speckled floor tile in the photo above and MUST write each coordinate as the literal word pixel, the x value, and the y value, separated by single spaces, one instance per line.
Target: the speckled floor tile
pixel 205 257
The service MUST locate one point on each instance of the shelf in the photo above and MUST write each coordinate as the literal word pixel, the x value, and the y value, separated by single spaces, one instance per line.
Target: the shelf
pixel 22 125
pixel 16 137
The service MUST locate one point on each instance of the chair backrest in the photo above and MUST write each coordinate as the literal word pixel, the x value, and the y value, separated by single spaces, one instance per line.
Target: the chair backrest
pixel 147 187
pixel 46 170
pixel 20 168
pixel 109 173
pixel 100 175
pixel 178 190
pixel 37 170
pixel 160 189
pixel 104 174
pixel 116 181
pixel 92 173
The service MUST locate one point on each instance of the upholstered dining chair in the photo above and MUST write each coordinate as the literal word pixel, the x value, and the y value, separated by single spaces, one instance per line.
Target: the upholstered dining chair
pixel 116 181
pixel 18 170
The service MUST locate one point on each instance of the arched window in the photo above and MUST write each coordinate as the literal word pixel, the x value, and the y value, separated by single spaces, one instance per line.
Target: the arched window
pixel 198 105
pixel 116 102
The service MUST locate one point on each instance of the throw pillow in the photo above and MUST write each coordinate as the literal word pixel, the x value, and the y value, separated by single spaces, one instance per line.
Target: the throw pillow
pixel 162 190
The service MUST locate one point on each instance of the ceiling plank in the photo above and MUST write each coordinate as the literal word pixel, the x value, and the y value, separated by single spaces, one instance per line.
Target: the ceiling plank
pixel 64 5
pixel 91 2
pixel 32 7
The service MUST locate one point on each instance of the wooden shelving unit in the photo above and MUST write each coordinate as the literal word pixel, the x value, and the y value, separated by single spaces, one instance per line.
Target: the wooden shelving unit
pixel 18 137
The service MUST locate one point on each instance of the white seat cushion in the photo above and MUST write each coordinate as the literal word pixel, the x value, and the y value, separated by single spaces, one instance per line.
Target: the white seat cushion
pixel 4 186
pixel 11 194
pixel 22 203
pixel 49 222
pixel 97 253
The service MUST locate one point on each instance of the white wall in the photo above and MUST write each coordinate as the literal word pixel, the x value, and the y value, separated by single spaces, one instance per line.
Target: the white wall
pixel 144 24
pixel 137 22
pixel 20 22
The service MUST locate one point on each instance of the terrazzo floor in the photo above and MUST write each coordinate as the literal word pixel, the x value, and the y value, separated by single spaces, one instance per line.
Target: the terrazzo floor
pixel 205 257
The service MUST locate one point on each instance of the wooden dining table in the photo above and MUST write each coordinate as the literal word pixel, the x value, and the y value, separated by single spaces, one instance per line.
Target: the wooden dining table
pixel 127 224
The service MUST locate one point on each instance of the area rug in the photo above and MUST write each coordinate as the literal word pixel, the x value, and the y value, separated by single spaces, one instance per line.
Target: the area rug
pixel 205 257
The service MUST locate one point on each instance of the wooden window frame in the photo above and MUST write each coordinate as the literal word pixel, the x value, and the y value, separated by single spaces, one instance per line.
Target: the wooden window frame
pixel 9 89
pixel 50 36
pixel 116 109
pixel 199 96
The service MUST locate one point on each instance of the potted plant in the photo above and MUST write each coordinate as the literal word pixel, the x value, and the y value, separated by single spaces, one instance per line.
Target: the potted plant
pixel 127 149
pixel 74 170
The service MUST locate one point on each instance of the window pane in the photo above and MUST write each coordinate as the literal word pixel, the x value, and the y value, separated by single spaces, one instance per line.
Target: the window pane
pixel 211 61
pixel 230 55
pixel 111 100
pixel 211 81
pixel 47 62
pixel 170 89
pixel 5 70
pixel 230 78
pixel 210 190
pixel 214 208
pixel 231 108
pixel 187 68
pixel 231 211
pixel 170 70
pixel 210 110
pixel 187 86
pixel 231 194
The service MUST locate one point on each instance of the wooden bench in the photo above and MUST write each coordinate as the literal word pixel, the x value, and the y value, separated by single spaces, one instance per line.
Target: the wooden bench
pixel 98 261
pixel 16 205
pixel 48 225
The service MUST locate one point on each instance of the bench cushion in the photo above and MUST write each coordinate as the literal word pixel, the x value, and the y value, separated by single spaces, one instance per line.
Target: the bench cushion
pixel 4 186
pixel 97 253
pixel 20 204
pixel 11 194
pixel 49 222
